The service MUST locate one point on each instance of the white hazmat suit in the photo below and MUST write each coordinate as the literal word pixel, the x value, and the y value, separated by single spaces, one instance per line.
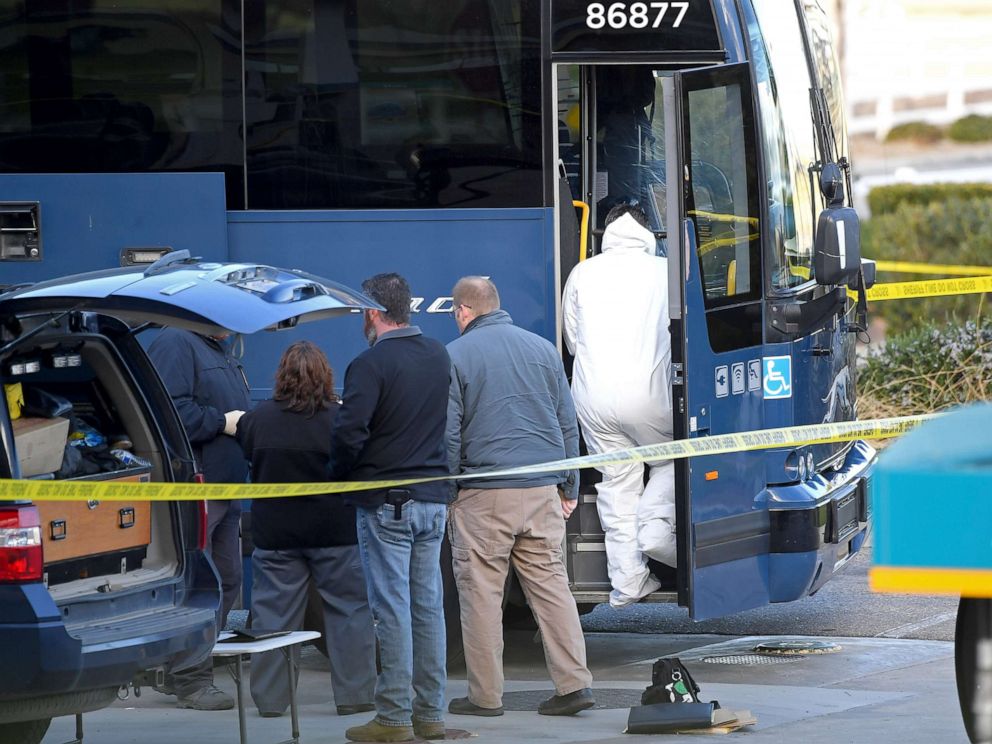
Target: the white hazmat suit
pixel 615 313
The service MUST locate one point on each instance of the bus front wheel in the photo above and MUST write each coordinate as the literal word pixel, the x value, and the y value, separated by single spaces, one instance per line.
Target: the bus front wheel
pixel 974 628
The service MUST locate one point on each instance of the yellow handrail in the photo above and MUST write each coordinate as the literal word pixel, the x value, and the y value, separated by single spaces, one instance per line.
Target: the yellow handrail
pixel 583 229
pixel 753 221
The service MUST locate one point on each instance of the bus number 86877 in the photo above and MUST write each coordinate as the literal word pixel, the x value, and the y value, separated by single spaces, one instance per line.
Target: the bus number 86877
pixel 617 15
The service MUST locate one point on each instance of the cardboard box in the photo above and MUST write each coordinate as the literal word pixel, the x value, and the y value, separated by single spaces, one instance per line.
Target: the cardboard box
pixel 40 444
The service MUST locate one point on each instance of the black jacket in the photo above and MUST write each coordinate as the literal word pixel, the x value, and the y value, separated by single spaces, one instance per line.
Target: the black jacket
pixel 205 382
pixel 391 423
pixel 285 446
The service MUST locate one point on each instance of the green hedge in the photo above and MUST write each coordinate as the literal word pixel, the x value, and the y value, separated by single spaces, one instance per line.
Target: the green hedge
pixel 915 131
pixel 972 128
pixel 928 369
pixel 887 199
pixel 958 231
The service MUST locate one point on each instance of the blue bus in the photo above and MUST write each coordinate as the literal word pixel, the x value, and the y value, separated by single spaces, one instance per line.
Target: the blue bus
pixel 440 139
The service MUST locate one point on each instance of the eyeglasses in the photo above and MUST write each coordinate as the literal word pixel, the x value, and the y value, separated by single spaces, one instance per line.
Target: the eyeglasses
pixel 454 308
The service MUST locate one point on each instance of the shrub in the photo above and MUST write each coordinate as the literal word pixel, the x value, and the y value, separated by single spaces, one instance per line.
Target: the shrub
pixel 887 199
pixel 971 128
pixel 954 232
pixel 915 131
pixel 927 370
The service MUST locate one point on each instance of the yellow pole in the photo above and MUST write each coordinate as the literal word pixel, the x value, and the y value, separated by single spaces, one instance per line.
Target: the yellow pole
pixel 583 229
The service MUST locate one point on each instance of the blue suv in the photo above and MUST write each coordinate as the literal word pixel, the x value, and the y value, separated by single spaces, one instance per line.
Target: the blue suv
pixel 95 596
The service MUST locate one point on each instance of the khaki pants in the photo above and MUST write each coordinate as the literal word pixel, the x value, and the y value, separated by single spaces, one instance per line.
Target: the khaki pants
pixel 488 528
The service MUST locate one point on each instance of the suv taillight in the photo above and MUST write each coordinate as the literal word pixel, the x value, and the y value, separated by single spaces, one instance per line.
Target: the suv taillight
pixel 21 558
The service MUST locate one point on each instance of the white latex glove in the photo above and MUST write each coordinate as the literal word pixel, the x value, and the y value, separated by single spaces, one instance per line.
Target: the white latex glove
pixel 231 422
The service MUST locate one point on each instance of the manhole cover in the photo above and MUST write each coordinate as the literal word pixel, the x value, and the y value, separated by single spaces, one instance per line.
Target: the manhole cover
pixel 750 659
pixel 606 698
pixel 796 647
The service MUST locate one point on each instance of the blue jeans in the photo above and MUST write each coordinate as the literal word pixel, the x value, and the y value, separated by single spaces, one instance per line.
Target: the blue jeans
pixel 402 562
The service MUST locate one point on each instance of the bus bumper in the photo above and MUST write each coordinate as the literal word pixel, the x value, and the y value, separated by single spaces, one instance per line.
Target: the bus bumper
pixel 817 526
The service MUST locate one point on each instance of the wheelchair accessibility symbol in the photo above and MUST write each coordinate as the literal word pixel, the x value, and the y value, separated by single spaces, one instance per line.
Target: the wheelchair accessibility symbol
pixel 777 377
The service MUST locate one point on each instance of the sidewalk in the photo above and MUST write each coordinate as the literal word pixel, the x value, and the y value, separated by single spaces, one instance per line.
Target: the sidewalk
pixel 871 690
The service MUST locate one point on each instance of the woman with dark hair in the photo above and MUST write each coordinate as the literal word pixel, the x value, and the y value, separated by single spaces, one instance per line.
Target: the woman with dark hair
pixel 288 440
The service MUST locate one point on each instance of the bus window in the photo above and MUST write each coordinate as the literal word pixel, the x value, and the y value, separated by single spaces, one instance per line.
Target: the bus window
pixel 570 125
pixel 624 161
pixel 783 83
pixel 723 201
pixel 105 87
pixel 631 141
pixel 402 104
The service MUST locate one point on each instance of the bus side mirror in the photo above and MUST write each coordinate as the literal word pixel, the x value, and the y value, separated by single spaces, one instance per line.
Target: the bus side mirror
pixel 837 250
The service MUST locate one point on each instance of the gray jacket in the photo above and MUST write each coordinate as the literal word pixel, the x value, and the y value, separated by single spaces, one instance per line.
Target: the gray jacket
pixel 509 405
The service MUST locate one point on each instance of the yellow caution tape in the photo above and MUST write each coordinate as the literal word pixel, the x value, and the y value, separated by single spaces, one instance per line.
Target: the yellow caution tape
pixel 69 490
pixel 911 267
pixel 929 288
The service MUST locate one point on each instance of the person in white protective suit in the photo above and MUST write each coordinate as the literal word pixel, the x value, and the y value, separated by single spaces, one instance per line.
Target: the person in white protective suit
pixel 615 311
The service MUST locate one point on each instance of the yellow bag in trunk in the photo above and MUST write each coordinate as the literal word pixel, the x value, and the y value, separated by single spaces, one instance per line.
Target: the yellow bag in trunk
pixel 15 399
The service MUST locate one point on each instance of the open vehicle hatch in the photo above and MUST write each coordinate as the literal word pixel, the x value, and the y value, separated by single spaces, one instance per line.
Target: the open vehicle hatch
pixel 205 297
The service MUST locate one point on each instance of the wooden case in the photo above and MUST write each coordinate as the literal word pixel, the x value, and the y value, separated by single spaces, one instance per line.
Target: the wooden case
pixel 75 529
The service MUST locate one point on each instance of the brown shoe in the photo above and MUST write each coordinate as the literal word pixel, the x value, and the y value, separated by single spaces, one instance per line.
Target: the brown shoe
pixel 428 729
pixel 375 731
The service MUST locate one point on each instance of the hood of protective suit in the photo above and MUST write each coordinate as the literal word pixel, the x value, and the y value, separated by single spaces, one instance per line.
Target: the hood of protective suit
pixel 626 234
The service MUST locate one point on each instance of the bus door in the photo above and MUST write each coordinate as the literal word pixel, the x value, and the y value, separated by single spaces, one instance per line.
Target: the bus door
pixel 682 145
pixel 611 150
pixel 715 288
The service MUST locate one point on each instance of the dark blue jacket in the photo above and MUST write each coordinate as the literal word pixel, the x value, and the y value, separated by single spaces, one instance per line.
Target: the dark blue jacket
pixel 287 446
pixel 509 406
pixel 205 382
pixel 391 422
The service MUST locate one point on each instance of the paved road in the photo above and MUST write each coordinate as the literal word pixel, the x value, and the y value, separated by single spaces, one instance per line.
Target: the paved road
pixel 844 607
pixel 869 690
pixel 878 686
